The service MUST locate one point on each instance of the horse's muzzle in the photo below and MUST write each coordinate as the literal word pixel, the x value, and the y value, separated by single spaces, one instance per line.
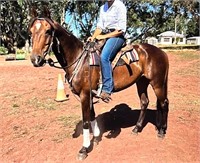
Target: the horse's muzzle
pixel 37 60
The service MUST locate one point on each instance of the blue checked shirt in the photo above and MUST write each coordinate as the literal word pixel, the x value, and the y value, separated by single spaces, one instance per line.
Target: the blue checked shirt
pixel 114 17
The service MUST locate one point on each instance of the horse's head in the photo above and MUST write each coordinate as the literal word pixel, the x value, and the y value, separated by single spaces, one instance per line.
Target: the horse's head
pixel 42 32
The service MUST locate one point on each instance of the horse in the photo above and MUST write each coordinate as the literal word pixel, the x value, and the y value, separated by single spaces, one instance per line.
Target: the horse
pixel 151 69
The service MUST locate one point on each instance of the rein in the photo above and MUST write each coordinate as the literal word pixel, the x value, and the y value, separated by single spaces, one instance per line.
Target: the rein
pixel 77 62
pixel 52 63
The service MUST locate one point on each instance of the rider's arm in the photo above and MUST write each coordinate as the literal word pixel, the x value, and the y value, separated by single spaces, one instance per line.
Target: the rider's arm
pixel 96 33
pixel 115 33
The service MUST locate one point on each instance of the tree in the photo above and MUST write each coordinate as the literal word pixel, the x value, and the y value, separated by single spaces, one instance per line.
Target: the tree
pixel 145 17
pixel 185 15
pixel 13 30
pixel 154 17
pixel 84 15
pixel 15 18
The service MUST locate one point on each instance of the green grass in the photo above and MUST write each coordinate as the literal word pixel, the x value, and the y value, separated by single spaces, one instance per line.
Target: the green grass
pixel 14 109
pixel 20 131
pixel 178 47
pixel 47 104
pixel 187 55
pixel 193 70
pixel 3 50
pixel 69 121
pixel 68 124
pixel 59 137
pixel 192 67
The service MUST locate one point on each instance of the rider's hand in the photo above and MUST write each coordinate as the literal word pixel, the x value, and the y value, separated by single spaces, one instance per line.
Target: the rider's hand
pixel 90 39
pixel 100 37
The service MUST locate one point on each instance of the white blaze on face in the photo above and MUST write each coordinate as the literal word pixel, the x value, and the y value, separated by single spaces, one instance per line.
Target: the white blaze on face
pixel 38 25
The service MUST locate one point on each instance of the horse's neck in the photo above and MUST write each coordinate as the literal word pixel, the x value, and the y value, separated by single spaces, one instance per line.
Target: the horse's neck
pixel 70 47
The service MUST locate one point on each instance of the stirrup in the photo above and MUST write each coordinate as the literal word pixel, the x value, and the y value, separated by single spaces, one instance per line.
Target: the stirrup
pixel 105 97
pixel 96 94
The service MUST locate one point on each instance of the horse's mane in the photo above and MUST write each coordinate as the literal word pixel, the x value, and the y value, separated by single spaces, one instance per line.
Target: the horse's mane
pixel 60 30
pixel 67 41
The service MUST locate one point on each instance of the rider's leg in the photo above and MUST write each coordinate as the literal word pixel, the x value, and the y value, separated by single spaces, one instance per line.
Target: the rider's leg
pixel 110 49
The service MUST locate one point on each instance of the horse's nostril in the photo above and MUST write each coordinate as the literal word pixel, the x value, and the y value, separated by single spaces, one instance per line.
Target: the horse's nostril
pixel 37 60
pixel 32 57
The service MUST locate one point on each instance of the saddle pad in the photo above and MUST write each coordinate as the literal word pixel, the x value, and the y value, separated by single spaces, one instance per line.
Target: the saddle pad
pixel 94 59
pixel 130 56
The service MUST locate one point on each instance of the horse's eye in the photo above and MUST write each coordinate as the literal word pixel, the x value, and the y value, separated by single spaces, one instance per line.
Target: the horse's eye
pixel 48 32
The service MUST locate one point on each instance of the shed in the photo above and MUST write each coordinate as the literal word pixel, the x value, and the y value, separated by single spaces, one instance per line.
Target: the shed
pixel 193 40
pixel 151 40
pixel 168 37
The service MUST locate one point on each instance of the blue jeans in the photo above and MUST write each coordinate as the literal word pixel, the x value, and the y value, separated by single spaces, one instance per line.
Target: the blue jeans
pixel 110 49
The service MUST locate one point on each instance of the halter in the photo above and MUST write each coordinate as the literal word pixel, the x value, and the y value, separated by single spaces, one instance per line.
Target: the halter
pixel 50 46
pixel 49 49
pixel 78 61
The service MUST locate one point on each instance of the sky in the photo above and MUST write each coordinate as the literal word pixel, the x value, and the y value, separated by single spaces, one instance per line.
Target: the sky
pixel 69 20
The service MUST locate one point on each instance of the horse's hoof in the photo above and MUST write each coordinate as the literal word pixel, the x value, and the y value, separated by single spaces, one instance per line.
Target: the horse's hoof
pixel 82 154
pixel 135 131
pixel 161 134
pixel 96 141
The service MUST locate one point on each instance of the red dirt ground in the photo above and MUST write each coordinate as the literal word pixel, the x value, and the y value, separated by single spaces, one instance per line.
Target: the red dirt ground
pixel 35 128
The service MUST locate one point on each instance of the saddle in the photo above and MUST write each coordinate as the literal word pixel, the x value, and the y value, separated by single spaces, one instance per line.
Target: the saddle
pixel 126 55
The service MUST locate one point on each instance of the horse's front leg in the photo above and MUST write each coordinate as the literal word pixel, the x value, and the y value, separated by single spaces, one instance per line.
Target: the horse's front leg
pixel 88 115
pixel 85 105
pixel 94 126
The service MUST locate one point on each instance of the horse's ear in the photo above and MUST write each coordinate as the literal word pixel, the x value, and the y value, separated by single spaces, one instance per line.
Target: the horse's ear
pixel 46 12
pixel 34 13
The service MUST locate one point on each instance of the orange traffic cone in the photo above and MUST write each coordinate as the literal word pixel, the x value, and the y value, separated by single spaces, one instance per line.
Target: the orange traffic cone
pixel 61 96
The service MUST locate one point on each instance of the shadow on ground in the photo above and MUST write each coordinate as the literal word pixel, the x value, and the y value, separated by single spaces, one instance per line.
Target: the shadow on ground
pixel 121 116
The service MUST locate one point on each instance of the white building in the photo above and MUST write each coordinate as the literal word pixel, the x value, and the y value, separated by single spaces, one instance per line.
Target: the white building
pixel 168 37
pixel 193 40
pixel 151 40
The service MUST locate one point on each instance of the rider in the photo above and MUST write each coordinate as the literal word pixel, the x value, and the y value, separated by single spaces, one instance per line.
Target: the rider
pixel 111 26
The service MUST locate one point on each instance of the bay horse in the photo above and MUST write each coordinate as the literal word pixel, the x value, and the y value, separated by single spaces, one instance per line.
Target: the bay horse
pixel 152 68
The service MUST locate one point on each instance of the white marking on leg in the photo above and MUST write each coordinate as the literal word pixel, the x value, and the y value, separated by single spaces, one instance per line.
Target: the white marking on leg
pixel 95 128
pixel 86 138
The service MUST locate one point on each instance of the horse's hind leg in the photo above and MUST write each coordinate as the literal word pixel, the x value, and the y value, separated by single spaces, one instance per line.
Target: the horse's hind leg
pixel 162 111
pixel 142 85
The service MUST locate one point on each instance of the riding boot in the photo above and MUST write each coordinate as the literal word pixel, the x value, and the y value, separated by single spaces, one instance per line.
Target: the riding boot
pixel 106 97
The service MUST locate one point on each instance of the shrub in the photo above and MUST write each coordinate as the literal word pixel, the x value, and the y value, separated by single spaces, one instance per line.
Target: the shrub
pixel 3 50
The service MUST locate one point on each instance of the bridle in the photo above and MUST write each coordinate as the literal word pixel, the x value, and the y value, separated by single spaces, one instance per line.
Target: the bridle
pixel 77 62
pixel 49 49
pixel 52 63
